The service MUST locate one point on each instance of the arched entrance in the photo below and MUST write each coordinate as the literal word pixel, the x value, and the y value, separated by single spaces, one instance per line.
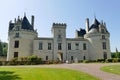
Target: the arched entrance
pixel 60 54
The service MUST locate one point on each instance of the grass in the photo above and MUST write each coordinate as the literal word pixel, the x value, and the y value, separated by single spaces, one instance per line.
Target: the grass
pixel 42 74
pixel 112 69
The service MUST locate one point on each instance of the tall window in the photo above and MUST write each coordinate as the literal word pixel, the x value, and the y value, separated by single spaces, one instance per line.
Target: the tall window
pixel 40 46
pixel 59 46
pixel 15 54
pixel 69 46
pixel 84 46
pixel 71 58
pixel 59 36
pixel 77 46
pixel 104 45
pixel 46 58
pixel 16 45
pixel 105 55
pixel 49 46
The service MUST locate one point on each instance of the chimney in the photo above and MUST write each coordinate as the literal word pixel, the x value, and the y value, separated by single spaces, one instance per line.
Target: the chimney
pixel 32 21
pixel 87 25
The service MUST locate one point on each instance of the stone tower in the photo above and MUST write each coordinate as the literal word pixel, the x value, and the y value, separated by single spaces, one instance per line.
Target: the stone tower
pixel 59 41
pixel 98 37
pixel 21 35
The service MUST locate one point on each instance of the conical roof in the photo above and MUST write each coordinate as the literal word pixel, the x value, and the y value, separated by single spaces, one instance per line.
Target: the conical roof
pixel 95 24
pixel 26 24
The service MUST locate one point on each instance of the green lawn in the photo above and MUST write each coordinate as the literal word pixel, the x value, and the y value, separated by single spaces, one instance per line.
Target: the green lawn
pixel 112 69
pixel 42 74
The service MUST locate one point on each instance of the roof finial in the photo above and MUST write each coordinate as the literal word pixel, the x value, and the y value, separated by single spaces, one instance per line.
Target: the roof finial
pixel 94 16
pixel 24 13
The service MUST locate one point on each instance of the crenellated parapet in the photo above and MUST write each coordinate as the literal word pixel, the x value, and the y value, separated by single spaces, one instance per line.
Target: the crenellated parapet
pixel 59 24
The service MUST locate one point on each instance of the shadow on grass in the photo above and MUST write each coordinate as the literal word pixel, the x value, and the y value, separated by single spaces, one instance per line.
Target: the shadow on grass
pixel 8 75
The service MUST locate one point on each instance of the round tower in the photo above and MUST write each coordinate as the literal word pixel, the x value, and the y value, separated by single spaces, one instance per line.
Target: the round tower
pixel 98 37
pixel 21 35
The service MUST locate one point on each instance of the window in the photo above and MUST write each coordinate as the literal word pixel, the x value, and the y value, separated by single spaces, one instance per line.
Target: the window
pixel 103 36
pixel 71 58
pixel 77 46
pixel 84 46
pixel 17 28
pixel 105 55
pixel 104 45
pixel 102 30
pixel 49 46
pixel 59 30
pixel 46 58
pixel 15 54
pixel 84 57
pixel 59 46
pixel 17 35
pixel 40 46
pixel 69 46
pixel 16 45
pixel 59 36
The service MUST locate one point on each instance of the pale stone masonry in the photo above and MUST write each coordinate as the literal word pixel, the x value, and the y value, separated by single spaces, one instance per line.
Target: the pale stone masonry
pixel 90 44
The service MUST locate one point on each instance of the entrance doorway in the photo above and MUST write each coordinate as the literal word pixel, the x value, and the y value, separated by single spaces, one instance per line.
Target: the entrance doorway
pixel 60 56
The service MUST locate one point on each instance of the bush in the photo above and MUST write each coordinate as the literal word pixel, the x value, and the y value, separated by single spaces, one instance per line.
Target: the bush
pixel 24 58
pixel 109 60
pixel 32 58
pixel 116 59
pixel 100 60
pixel 85 61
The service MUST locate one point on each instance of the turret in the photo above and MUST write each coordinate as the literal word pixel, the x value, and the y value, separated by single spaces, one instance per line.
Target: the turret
pixel 87 25
pixel 21 36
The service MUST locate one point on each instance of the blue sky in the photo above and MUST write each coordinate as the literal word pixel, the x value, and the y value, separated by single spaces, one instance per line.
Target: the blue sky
pixel 72 12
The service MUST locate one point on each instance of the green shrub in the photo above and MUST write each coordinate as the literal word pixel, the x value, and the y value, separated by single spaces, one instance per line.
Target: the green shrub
pixel 32 58
pixel 100 60
pixel 24 58
pixel 109 60
pixel 85 61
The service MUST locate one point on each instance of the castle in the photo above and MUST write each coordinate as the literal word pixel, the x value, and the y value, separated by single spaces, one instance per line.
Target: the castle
pixel 90 44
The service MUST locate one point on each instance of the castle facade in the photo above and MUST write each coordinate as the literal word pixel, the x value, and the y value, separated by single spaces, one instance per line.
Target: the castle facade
pixel 91 43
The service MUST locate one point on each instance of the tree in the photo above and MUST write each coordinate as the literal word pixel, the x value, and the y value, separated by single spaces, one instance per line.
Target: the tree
pixel 5 48
pixel 115 54
pixel 1 49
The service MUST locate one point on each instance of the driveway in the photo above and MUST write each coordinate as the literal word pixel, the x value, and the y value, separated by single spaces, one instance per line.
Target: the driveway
pixel 91 68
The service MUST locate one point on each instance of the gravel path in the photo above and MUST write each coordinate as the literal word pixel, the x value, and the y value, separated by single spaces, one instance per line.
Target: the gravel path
pixel 92 69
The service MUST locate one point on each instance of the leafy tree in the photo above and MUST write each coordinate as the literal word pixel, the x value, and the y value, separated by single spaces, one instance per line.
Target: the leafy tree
pixel 1 49
pixel 115 54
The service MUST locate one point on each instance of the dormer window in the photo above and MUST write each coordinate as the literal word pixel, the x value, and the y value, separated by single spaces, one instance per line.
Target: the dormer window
pixel 17 28
pixel 102 31
pixel 17 35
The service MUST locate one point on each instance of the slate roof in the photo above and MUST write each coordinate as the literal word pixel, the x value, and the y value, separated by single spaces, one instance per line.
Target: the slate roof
pixel 25 24
pixel 81 32
pixel 11 26
pixel 95 24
